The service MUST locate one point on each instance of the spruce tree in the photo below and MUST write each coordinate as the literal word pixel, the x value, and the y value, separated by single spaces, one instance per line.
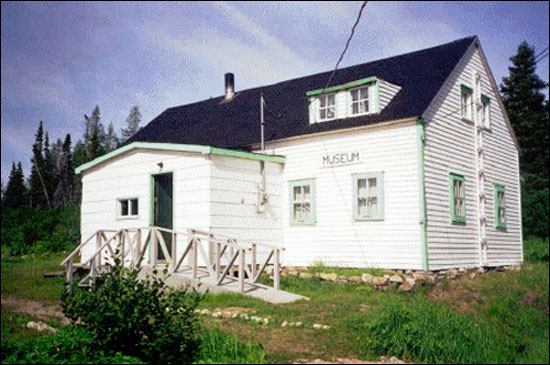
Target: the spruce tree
pixel 94 137
pixel 111 139
pixel 16 193
pixel 132 123
pixel 38 194
pixel 64 193
pixel 525 105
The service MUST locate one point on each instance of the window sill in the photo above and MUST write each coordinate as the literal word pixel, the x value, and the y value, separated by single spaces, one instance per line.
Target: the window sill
pixel 298 224
pixel 459 221
pixel 366 219
pixel 131 217
pixel 467 120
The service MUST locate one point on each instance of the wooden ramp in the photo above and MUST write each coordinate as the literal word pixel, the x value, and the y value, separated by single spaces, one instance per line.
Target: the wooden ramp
pixel 205 283
pixel 227 265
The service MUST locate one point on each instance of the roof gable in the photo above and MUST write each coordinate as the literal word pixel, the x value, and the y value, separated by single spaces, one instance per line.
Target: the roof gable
pixel 235 123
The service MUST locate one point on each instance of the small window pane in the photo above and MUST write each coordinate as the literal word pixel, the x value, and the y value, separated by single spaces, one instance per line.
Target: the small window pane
pixel 297 193
pixel 306 209
pixel 323 114
pixel 362 187
pixel 372 207
pixel 134 206
pixel 323 101
pixel 355 95
pixel 331 99
pixel 362 206
pixel 364 93
pixel 124 208
pixel 330 113
pixel 355 108
pixel 306 192
pixel 297 211
pixel 372 187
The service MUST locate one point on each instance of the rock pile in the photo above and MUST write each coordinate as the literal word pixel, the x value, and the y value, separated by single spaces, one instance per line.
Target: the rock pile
pixel 404 280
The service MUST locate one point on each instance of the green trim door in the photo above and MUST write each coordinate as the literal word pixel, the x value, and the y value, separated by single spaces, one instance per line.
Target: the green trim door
pixel 163 208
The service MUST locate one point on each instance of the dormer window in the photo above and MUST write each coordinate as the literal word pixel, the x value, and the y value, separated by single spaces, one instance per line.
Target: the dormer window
pixel 354 99
pixel 327 107
pixel 360 101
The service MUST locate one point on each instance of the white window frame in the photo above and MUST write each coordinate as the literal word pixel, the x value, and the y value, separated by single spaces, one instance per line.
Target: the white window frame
pixel 467 114
pixel 327 107
pixel 311 220
pixel 379 195
pixel 119 203
pixel 359 100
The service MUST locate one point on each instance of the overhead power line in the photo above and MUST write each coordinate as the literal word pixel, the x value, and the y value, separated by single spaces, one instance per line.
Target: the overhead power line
pixel 347 45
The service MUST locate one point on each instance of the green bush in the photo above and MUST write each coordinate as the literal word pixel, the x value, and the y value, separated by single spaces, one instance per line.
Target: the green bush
pixel 40 230
pixel 423 331
pixel 139 318
pixel 535 207
pixel 71 345
pixel 218 348
pixel 535 249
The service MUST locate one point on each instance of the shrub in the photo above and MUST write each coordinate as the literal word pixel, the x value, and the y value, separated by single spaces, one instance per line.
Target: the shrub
pixel 139 318
pixel 40 230
pixel 535 249
pixel 218 348
pixel 424 331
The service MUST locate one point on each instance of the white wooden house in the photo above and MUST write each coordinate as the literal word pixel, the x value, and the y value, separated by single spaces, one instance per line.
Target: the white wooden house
pixel 408 162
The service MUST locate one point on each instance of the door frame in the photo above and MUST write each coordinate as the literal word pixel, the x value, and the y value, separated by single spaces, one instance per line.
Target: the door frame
pixel 152 202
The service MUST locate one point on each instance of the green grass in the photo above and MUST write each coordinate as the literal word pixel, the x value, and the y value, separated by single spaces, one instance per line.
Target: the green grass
pixel 23 277
pixel 319 267
pixel 499 316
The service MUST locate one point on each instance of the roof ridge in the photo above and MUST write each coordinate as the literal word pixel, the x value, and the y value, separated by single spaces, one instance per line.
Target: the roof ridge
pixel 328 72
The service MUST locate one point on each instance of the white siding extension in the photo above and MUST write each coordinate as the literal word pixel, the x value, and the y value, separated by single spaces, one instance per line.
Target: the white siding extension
pixel 450 148
pixel 129 175
pixel 234 189
pixel 335 238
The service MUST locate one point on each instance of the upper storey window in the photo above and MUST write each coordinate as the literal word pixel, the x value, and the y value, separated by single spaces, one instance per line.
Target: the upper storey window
pixel 349 100
pixel 466 101
pixel 327 107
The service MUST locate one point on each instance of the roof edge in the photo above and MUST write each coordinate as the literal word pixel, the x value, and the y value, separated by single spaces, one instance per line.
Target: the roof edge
pixel 205 150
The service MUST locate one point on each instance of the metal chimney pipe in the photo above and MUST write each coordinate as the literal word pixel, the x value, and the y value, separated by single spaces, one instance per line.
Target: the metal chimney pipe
pixel 229 86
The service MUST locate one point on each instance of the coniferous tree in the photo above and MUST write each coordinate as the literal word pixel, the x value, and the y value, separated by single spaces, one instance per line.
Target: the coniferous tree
pixel 132 123
pixel 64 193
pixel 111 139
pixel 38 193
pixel 94 137
pixel 527 110
pixel 50 173
pixel 16 192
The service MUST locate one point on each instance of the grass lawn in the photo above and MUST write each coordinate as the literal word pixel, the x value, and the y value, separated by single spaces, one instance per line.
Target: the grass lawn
pixel 499 316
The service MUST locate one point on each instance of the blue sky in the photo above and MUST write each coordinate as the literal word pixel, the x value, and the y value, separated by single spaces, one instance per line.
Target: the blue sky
pixel 59 60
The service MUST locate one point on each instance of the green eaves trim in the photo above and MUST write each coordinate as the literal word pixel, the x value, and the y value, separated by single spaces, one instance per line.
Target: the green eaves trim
pixel 205 150
pixel 342 87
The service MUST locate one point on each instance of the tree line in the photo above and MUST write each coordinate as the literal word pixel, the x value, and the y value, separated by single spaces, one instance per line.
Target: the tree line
pixel 52 181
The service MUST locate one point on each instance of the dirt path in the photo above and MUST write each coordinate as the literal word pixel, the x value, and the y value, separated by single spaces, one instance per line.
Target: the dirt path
pixel 34 308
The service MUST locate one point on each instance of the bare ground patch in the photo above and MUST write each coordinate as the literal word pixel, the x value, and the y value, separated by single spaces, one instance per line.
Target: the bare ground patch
pixel 34 308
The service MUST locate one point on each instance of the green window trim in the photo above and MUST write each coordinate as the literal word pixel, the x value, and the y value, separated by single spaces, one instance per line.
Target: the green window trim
pixel 469 90
pixel 457 218
pixel 129 208
pixel 487 100
pixel 312 219
pixel 499 188
pixel 349 85
pixel 379 214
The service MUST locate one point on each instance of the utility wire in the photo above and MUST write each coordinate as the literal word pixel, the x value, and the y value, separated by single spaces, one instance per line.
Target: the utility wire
pixel 538 59
pixel 347 45
pixel 544 50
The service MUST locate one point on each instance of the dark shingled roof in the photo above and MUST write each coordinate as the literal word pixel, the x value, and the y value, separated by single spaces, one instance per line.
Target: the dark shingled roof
pixel 236 123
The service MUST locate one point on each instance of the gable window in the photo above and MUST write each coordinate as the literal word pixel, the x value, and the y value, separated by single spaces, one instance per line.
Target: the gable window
pixel 466 102
pixel 360 101
pixel 127 208
pixel 458 198
pixel 368 196
pixel 486 112
pixel 327 107
pixel 302 200
pixel 500 205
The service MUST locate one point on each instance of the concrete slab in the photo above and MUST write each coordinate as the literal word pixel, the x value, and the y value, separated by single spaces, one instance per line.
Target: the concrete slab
pixel 205 283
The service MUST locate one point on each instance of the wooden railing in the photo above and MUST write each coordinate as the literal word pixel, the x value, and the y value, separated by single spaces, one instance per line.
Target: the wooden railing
pixel 221 256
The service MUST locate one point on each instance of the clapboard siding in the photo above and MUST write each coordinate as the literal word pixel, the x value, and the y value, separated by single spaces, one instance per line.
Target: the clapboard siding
pixel 336 239
pixel 233 212
pixel 387 92
pixel 450 147
pixel 129 175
